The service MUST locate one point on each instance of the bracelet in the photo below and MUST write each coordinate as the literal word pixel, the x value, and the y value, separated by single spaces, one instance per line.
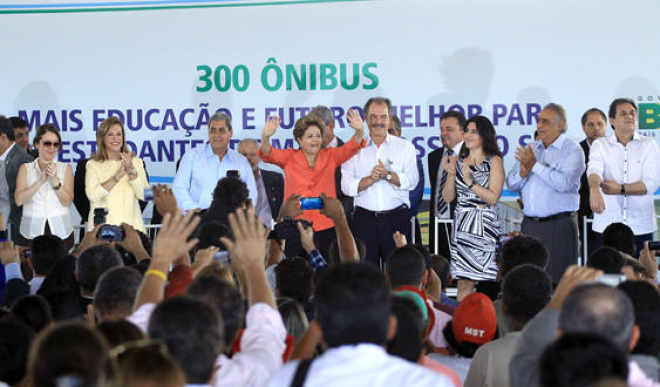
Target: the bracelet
pixel 132 172
pixel 157 273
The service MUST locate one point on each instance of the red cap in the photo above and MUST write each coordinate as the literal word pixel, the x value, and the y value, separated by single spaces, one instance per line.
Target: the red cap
pixel 475 320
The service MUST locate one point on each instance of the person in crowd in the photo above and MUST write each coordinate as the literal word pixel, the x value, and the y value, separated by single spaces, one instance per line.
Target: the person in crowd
pixel 34 310
pixel 115 179
pixel 548 174
pixel 581 359
pixel 294 317
pixel 607 259
pixel 354 320
pixel 310 170
pixel 47 251
pixel 22 135
pixel 270 184
pixel 16 338
pixel 44 188
pixel 119 332
pixel 474 324
pixel 525 292
pixel 115 293
pixel 579 305
pixel 624 174
pixel 379 178
pixel 202 167
pixel 143 363
pixel 452 127
pixel 230 194
pixel 475 178
pixel 594 125
pixel 11 158
pixel 620 237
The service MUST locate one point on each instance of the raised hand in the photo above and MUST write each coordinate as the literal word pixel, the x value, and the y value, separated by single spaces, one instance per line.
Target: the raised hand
pixel 525 155
pixel 172 241
pixel 332 207
pixel 164 199
pixel 249 245
pixel 290 207
pixel 270 127
pixel 354 120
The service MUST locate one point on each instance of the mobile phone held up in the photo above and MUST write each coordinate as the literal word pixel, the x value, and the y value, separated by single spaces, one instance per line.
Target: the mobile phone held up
pixel 311 203
pixel 112 233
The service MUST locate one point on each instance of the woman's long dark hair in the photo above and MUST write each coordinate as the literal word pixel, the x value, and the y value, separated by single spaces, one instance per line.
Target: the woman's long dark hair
pixel 488 137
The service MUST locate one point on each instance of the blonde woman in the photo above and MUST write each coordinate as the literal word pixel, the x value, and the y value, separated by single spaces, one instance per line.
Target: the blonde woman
pixel 115 178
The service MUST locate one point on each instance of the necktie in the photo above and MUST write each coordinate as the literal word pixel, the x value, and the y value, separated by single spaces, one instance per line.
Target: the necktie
pixel 442 208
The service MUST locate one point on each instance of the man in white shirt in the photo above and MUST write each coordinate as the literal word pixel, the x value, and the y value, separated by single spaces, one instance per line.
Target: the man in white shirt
pixel 353 318
pixel 623 175
pixel 380 177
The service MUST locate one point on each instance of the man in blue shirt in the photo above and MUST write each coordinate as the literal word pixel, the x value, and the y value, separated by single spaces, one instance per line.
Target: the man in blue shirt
pixel 548 173
pixel 202 167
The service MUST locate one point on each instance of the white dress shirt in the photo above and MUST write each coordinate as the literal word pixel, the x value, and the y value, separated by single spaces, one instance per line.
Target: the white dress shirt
pixel 637 161
pixel 398 155
pixel 361 365
pixel 551 187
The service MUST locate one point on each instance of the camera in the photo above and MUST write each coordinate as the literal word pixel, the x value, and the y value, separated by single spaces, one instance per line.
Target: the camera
pixel 654 245
pixel 222 256
pixel 233 173
pixel 109 232
pixel 288 228
pixel 99 215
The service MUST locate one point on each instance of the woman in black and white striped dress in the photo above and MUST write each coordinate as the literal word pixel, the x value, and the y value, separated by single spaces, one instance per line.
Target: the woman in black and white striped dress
pixel 475 179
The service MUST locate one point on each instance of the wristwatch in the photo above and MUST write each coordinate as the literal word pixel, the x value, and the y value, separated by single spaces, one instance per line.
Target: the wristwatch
pixel 58 186
pixel 388 177
pixel 623 189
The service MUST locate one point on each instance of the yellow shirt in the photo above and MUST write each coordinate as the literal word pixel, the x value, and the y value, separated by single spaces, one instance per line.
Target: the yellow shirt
pixel 122 200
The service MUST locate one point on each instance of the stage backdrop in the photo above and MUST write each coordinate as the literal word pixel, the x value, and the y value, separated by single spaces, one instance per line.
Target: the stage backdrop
pixel 164 66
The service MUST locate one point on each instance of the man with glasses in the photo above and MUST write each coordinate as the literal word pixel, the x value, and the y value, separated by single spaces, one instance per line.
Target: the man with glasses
pixel 380 177
pixel 623 175
pixel 202 167
pixel 11 158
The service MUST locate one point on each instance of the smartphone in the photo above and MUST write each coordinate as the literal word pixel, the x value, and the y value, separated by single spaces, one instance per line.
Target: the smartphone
pixel 148 195
pixel 27 253
pixel 109 232
pixel 654 245
pixel 311 203
pixel 233 173
pixel 611 279
pixel 222 256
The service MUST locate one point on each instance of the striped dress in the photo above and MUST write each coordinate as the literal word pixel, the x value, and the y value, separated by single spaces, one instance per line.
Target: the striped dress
pixel 475 229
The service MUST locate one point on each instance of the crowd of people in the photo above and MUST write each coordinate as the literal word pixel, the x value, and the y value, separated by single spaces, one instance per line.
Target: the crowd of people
pixel 308 278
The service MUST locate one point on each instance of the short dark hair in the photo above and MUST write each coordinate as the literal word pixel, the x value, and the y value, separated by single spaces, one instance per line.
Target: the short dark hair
pixel 67 349
pixel 440 265
pixel 209 234
pixel 15 340
pixel 232 191
pixel 592 110
pixel 410 329
pixel 193 332
pixel 620 101
pixel 293 278
pixel 460 117
pixel 646 303
pixel 93 262
pixel 119 332
pixel 598 309
pixel 580 359
pixel 7 128
pixel 116 290
pixel 405 266
pixel 488 136
pixel 303 123
pixel 607 259
pixel 523 249
pixel 18 122
pixel 47 250
pixel 619 236
pixel 525 291
pixel 34 310
pixel 225 298
pixel 379 101
pixel 353 305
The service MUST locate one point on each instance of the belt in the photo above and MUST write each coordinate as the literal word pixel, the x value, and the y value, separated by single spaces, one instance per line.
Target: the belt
pixel 380 214
pixel 551 217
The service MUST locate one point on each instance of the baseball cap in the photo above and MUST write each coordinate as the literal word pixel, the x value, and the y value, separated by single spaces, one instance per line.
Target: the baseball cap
pixel 475 320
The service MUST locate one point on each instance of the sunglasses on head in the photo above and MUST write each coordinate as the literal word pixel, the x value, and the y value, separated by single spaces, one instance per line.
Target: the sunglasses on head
pixel 49 144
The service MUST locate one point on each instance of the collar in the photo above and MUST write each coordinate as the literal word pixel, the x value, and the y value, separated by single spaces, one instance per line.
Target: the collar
pixel 208 152
pixel 636 137
pixel 387 140
pixel 558 143
pixel 4 155
pixel 457 149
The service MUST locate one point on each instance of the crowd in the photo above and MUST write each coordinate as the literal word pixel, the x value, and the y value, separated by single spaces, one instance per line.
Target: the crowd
pixel 308 278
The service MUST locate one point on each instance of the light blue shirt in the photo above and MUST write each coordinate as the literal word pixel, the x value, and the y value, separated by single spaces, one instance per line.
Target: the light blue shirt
pixel 200 171
pixel 552 185
pixel 13 271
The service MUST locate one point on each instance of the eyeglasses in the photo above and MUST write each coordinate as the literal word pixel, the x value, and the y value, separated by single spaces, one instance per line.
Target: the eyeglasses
pixel 49 144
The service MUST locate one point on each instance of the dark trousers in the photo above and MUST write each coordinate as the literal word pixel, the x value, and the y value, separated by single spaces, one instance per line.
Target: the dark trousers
pixel 377 231
pixel 560 236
